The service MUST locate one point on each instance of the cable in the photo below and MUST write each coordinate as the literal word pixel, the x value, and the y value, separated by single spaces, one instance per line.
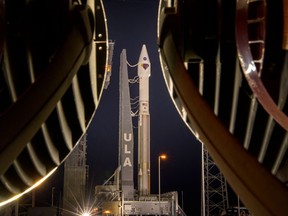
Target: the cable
pixel 131 65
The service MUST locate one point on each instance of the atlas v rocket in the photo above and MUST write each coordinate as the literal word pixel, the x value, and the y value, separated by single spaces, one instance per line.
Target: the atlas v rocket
pixel 144 72
pixel 126 145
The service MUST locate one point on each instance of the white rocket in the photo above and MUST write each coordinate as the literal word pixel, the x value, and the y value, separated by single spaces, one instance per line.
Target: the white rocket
pixel 144 72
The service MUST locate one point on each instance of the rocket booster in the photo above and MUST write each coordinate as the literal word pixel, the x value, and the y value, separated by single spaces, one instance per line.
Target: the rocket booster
pixel 144 72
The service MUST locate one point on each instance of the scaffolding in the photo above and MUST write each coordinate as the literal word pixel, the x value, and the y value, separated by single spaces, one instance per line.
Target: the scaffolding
pixel 75 178
pixel 214 187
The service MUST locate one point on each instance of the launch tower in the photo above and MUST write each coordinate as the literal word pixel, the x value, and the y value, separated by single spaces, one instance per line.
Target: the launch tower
pixel 75 177
pixel 118 195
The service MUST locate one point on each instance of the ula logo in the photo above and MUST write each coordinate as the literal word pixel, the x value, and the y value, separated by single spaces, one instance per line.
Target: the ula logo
pixel 127 151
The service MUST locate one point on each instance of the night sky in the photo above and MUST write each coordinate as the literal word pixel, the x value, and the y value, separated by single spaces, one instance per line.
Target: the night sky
pixel 132 23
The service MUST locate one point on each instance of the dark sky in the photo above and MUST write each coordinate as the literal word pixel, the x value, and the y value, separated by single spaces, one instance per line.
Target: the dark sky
pixel 132 23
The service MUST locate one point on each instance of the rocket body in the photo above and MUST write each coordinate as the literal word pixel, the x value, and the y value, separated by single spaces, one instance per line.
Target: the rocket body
pixel 144 72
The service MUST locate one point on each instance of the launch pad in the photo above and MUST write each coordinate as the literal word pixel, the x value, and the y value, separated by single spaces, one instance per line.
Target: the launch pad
pixel 118 196
pixel 148 205
pixel 110 201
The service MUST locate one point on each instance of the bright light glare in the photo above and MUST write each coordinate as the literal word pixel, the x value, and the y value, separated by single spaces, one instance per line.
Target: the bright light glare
pixel 251 68
pixel 163 156
pixel 29 189
pixel 85 214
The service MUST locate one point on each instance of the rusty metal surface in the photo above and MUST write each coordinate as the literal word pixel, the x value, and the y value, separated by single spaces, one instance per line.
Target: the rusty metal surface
pixel 243 172
pixel 261 192
pixel 250 69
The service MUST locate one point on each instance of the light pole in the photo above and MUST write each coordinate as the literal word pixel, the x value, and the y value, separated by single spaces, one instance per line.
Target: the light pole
pixel 52 197
pixel 159 176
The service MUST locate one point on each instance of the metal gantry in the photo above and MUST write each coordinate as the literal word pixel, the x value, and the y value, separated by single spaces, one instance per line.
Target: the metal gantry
pixel 214 187
pixel 75 178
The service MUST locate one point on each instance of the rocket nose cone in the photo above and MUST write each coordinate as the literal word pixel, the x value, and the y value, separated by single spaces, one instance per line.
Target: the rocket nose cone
pixel 144 69
pixel 144 55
